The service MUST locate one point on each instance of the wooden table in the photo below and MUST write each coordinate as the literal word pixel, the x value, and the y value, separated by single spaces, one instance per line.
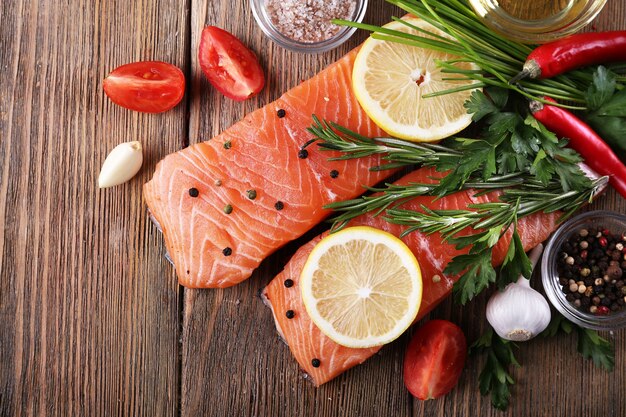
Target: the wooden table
pixel 92 320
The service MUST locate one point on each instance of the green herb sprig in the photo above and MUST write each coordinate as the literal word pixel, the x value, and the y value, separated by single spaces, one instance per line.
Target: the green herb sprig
pixel 495 378
pixel 590 344
pixel 490 221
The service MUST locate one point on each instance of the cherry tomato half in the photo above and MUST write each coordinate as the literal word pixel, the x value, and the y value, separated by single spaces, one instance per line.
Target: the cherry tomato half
pixel 146 86
pixel 434 359
pixel 231 67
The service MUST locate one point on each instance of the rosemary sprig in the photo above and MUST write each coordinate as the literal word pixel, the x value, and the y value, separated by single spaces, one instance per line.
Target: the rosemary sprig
pixel 397 152
pixel 522 200
pixel 489 222
pixel 393 195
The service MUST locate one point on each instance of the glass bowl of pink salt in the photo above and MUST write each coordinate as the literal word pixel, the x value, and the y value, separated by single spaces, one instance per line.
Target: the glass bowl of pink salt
pixel 305 25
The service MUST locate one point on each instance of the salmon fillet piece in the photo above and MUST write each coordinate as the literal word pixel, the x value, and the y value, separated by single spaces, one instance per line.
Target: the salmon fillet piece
pixel 307 342
pixel 226 204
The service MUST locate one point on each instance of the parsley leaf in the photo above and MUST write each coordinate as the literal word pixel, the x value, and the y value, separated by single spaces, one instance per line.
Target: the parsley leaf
pixel 515 262
pixel 600 350
pixel 503 123
pixel 495 379
pixel 478 275
pixel 616 106
pixel 499 96
pixel 479 106
pixel 590 344
pixel 558 324
pixel 542 168
pixel 601 89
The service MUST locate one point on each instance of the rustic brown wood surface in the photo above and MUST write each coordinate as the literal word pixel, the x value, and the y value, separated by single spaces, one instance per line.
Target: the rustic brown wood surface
pixel 92 320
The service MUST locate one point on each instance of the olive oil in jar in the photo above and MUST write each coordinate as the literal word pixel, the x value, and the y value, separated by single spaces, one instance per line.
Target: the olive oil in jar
pixel 536 21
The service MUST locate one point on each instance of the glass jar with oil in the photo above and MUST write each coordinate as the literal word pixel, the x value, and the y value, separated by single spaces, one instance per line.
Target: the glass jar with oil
pixel 537 21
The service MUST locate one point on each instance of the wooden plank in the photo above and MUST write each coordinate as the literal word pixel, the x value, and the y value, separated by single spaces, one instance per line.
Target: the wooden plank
pixel 89 308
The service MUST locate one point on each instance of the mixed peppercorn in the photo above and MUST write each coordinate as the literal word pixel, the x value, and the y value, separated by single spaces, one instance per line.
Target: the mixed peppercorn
pixel 591 270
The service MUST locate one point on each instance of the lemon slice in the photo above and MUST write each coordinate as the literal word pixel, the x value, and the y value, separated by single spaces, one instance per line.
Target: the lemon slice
pixel 361 286
pixel 389 80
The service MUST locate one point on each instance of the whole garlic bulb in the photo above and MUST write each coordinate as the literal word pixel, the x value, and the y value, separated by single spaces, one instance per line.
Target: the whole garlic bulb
pixel 519 313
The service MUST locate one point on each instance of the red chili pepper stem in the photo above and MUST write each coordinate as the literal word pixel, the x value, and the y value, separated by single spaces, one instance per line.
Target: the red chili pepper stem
pixel 572 52
pixel 531 69
pixel 582 138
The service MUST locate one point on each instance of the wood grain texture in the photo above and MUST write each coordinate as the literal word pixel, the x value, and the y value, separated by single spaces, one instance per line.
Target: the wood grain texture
pixel 89 308
pixel 92 321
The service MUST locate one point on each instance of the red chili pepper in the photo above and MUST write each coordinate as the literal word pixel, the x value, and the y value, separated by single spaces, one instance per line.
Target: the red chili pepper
pixel 573 52
pixel 584 140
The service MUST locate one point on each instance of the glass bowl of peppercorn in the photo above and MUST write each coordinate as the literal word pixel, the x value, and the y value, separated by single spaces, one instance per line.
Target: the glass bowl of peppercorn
pixel 584 270
pixel 305 25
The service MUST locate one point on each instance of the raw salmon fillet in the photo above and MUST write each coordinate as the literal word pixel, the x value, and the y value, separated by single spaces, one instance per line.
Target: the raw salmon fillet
pixel 307 342
pixel 256 169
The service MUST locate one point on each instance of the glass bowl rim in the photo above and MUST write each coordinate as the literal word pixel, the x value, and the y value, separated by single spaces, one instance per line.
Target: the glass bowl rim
pixel 262 20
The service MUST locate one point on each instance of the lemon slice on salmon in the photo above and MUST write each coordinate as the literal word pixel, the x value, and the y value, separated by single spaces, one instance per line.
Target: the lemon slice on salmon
pixel 389 80
pixel 361 286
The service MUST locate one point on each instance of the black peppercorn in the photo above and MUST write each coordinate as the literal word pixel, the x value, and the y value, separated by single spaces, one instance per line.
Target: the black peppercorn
pixel 227 251
pixel 290 314
pixel 279 205
pixel 614 272
pixel 288 283
pixel 316 363
pixel 590 268
pixel 334 173
pixel 303 154
pixel 193 192
pixel 281 113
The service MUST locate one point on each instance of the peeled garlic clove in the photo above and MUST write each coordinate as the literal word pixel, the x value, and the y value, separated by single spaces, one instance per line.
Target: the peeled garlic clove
pixel 122 163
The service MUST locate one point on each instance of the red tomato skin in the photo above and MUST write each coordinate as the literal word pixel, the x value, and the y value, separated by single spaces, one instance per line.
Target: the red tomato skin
pixel 146 86
pixel 229 65
pixel 434 359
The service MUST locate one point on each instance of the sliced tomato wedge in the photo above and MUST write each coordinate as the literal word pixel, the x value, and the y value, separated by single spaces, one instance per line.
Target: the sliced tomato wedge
pixel 146 86
pixel 434 359
pixel 230 66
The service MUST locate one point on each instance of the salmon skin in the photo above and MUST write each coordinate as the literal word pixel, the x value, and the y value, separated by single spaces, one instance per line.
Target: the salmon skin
pixel 307 342
pixel 226 204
